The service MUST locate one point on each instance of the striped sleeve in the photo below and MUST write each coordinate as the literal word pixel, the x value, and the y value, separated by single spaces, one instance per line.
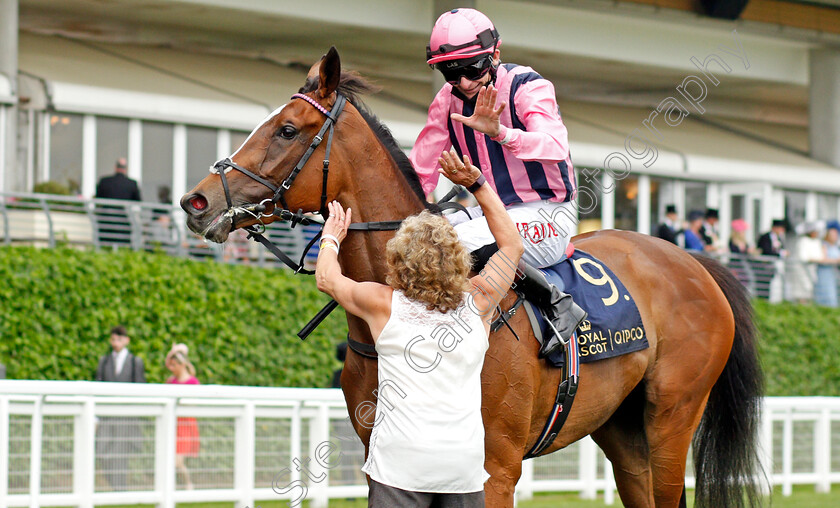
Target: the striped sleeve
pixel 546 139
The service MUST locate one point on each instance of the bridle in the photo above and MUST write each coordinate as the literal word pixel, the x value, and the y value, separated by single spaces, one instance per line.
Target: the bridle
pixel 255 211
pixel 223 166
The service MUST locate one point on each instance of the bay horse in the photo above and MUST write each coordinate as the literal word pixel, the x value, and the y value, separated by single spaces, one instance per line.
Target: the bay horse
pixel 700 378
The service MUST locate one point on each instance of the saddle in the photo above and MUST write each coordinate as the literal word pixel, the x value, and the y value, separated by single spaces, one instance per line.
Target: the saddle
pixel 613 327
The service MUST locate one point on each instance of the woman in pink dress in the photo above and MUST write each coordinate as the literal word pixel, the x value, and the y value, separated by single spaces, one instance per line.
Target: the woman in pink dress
pixel 188 439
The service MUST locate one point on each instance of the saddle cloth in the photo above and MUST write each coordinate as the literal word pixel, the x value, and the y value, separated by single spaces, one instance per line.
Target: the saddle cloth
pixel 614 326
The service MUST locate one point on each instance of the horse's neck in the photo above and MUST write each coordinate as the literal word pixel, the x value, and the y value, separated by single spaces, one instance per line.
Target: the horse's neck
pixel 377 192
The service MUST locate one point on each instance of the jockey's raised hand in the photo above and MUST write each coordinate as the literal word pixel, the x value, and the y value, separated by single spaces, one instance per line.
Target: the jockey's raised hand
pixel 485 118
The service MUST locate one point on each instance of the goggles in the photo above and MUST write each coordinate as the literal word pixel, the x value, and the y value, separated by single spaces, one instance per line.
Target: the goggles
pixel 473 69
pixel 485 39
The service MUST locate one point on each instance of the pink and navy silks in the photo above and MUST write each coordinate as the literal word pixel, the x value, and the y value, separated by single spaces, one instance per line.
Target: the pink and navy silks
pixel 534 164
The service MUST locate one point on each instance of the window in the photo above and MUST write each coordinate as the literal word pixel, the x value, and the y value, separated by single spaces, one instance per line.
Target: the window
pixel 627 203
pixel 826 207
pixel 201 153
pixel 695 198
pixel 111 144
pixel 589 198
pixel 157 161
pixel 662 194
pixel 66 150
pixel 795 207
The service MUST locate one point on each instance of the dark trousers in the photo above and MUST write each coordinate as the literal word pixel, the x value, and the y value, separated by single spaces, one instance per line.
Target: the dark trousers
pixel 384 496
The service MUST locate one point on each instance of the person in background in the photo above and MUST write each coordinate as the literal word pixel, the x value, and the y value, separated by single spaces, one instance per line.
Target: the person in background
pixel 117 437
pixel 340 355
pixel 741 249
pixel 772 243
pixel 188 439
pixel 738 239
pixel 114 225
pixel 670 227
pixel 692 240
pixel 825 289
pixel 709 230
pixel 769 274
pixel 809 252
pixel 118 185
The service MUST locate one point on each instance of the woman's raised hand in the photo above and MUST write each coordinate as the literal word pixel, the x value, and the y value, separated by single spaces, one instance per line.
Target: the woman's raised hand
pixel 338 222
pixel 458 171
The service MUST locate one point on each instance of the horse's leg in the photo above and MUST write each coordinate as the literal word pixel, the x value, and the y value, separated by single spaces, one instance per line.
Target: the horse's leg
pixel 504 468
pixel 510 378
pixel 671 423
pixel 624 442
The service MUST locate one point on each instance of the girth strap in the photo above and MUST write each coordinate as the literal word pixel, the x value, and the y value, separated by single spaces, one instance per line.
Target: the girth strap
pixel 366 350
pixel 566 392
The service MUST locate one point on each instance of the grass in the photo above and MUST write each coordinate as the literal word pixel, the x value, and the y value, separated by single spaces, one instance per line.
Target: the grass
pixel 803 497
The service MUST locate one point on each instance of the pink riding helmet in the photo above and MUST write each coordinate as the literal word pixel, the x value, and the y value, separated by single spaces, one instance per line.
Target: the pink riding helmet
pixel 461 33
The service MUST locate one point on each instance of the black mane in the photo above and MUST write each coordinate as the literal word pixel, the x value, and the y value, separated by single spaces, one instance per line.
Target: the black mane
pixel 351 85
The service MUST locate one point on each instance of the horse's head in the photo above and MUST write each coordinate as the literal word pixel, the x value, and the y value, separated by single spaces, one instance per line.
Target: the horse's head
pixel 257 175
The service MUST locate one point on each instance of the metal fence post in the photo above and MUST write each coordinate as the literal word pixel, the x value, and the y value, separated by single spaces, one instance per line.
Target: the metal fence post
pixel 588 468
pixel 525 486
pixel 822 451
pixel 84 454
pixel 50 230
pixel 37 435
pixel 294 445
pixel 245 456
pixel 766 452
pixel 165 432
pixel 318 476
pixel 787 454
pixel 5 421
pixel 609 483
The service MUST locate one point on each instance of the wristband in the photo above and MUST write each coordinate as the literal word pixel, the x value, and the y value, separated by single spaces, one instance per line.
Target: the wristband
pixel 326 242
pixel 331 237
pixel 504 136
pixel 477 184
pixel 329 245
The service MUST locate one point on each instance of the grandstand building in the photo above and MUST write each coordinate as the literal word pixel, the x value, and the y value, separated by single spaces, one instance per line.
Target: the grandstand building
pixel 732 105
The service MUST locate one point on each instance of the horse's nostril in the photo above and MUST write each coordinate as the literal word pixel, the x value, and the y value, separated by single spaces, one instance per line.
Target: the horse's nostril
pixel 198 202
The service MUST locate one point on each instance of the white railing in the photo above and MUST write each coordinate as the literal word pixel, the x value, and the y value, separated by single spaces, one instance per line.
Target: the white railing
pixel 260 444
pixel 50 220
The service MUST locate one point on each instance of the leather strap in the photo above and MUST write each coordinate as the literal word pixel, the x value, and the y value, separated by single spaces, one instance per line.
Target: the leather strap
pixel 364 349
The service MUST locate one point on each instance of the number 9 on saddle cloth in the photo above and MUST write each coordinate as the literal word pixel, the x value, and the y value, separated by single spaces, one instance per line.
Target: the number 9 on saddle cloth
pixel 607 320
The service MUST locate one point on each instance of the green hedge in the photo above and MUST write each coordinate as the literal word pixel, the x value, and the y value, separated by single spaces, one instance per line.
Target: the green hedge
pixel 57 307
pixel 800 348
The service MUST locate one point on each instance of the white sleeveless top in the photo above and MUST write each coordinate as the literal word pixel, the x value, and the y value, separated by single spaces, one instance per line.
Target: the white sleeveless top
pixel 428 434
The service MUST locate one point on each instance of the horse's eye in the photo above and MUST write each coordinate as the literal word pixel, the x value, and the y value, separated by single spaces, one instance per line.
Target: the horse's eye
pixel 287 132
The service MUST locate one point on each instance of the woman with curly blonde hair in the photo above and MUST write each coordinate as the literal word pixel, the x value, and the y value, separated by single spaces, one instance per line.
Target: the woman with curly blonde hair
pixel 430 326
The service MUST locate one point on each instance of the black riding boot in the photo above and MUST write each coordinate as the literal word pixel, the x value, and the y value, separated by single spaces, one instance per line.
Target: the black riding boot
pixel 563 313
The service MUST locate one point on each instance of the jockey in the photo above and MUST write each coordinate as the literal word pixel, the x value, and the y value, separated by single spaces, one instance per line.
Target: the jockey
pixel 521 147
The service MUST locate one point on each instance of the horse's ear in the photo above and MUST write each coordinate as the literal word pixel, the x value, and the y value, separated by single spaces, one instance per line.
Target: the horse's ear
pixel 329 73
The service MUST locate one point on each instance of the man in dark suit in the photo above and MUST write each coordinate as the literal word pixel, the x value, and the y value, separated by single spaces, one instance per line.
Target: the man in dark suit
pixel 769 274
pixel 118 438
pixel 118 185
pixel 671 226
pixel 771 243
pixel 114 226
pixel 709 230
